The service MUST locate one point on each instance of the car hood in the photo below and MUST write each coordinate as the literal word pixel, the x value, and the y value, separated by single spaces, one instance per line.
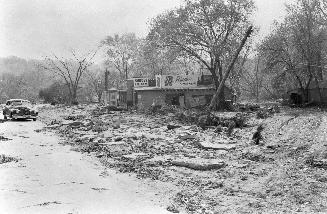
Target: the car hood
pixel 22 107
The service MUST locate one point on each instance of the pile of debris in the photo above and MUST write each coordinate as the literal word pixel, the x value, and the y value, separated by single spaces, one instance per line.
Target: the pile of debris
pixel 246 107
pixel 203 119
pixel 261 111
pixel 2 138
pixel 264 113
pixel 145 144
pixel 215 158
pixel 101 110
pixel 6 159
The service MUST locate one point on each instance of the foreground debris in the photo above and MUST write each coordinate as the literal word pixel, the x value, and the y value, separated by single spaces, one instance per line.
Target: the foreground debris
pixel 213 160
pixel 199 164
pixel 6 159
pixel 2 138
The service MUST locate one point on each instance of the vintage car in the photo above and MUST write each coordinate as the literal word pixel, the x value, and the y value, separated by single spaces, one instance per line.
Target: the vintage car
pixel 19 109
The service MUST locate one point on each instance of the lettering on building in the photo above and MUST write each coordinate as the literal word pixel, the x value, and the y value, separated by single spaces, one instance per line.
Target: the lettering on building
pixel 141 82
pixel 176 81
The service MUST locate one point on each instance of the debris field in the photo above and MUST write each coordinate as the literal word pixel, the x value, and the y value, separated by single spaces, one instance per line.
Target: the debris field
pixel 262 160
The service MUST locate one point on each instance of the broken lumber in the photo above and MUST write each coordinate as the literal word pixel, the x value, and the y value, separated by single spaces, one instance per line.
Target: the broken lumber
pixel 199 164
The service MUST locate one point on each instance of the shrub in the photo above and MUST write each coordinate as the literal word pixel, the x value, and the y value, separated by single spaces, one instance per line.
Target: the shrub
pixel 263 114
pixel 240 120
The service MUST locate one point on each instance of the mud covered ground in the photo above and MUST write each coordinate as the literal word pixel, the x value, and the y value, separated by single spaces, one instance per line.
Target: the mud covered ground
pixel 210 170
pixel 40 175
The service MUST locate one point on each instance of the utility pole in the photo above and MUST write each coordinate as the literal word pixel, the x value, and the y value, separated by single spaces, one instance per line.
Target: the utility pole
pixel 106 74
pixel 213 103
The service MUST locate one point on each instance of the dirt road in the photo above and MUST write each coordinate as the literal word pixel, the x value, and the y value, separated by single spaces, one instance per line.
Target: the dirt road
pixel 50 178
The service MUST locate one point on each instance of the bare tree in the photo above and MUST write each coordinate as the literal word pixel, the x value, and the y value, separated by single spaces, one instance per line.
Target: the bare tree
pixel 95 80
pixel 70 70
pixel 121 52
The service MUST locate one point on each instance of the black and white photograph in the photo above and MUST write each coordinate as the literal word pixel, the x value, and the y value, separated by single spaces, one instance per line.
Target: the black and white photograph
pixel 163 106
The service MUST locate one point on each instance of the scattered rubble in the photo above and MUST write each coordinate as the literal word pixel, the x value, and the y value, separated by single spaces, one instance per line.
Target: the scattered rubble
pixel 6 159
pixel 74 117
pixel 248 106
pixel 322 163
pixel 210 158
pixel 170 127
pixel 199 164
pixel 172 209
pixel 264 113
pixel 216 146
pixel 47 203
pixel 2 138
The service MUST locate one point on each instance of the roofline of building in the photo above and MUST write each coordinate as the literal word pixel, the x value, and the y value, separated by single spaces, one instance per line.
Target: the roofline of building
pixel 299 89
pixel 172 89
pixel 17 100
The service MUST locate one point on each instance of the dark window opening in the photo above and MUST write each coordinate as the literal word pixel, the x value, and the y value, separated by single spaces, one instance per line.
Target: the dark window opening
pixel 174 99
pixel 296 98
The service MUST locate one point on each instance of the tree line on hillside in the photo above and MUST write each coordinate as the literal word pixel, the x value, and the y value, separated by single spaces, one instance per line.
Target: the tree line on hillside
pixel 212 35
pixel 20 78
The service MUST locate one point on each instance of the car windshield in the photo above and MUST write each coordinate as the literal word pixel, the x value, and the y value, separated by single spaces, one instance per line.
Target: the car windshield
pixel 20 103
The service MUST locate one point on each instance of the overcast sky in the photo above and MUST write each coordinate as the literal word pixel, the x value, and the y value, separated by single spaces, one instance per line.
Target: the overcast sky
pixel 35 28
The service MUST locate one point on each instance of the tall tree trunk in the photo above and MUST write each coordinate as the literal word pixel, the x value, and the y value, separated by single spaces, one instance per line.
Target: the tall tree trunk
pixel 70 95
pixel 257 80
pixel 99 97
pixel 126 72
pixel 215 78
pixel 221 104
pixel 213 103
pixel 319 91
pixel 106 74
pixel 74 96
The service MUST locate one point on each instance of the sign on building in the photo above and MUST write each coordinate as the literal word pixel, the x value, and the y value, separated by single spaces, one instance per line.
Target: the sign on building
pixel 141 82
pixel 176 81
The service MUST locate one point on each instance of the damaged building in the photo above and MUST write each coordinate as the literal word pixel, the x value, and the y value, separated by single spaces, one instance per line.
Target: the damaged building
pixel 186 91
pixel 316 93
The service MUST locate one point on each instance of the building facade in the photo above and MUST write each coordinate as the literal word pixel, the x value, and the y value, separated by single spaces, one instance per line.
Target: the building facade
pixel 316 93
pixel 186 98
pixel 187 91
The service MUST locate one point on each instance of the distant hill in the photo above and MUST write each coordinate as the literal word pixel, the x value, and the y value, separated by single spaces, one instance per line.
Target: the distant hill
pixel 21 78
pixel 18 66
